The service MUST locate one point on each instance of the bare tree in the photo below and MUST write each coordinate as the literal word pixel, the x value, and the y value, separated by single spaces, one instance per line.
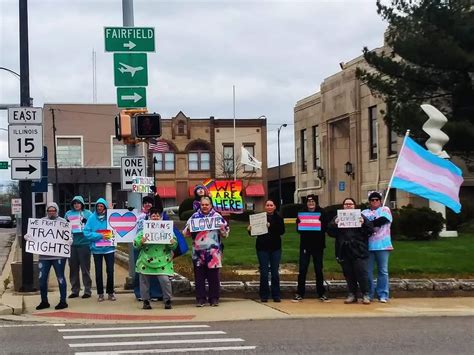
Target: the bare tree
pixel 225 167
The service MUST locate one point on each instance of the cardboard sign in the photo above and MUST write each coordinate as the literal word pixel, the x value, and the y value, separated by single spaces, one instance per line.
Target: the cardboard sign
pixel 205 224
pixel 124 224
pixel 158 232
pixel 258 222
pixel 348 218
pixel 226 195
pixel 108 238
pixel 309 221
pixel 142 184
pixel 49 237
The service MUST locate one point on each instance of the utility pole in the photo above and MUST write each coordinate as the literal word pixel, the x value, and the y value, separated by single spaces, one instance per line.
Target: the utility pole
pixel 25 185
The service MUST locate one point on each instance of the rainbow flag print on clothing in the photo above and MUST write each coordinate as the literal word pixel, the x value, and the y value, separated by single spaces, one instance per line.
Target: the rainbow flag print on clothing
pixel 309 221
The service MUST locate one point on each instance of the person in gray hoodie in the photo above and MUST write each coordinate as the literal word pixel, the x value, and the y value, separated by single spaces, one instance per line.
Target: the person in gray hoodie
pixel 80 252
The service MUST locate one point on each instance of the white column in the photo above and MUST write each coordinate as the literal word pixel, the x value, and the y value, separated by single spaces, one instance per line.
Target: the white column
pixel 50 193
pixel 108 193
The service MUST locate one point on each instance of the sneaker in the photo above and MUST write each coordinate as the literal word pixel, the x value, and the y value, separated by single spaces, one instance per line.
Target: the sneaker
pixel 42 305
pixel 263 300
pixel 101 298
pixel 154 299
pixel 146 304
pixel 366 299
pixel 214 304
pixel 383 300
pixel 61 305
pixel 112 297
pixel 86 295
pixel 277 300
pixel 297 298
pixel 350 299
pixel 200 304
pixel 139 299
pixel 168 304
pixel 73 295
pixel 324 298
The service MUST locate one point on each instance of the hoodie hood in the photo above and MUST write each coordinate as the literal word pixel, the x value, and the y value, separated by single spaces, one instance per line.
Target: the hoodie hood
pixel 197 187
pixel 78 198
pixel 53 205
pixel 103 202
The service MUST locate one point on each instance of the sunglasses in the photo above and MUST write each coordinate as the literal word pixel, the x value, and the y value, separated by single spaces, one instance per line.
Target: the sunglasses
pixel 51 210
pixel 374 199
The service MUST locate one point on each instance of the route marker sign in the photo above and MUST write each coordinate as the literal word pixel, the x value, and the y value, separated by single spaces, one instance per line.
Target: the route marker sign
pixel 131 97
pixel 26 169
pixel 130 69
pixel 25 115
pixel 129 39
pixel 25 141
pixel 131 167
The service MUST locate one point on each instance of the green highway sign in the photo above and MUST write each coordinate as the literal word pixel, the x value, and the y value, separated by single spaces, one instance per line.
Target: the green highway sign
pixel 130 69
pixel 129 39
pixel 3 165
pixel 131 97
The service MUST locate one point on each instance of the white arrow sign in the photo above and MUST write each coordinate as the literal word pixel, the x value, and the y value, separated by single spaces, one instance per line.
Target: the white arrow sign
pixel 135 97
pixel 129 45
pixel 26 169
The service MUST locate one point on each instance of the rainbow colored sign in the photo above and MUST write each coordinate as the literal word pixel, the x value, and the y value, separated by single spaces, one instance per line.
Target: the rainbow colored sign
pixel 309 221
pixel 226 195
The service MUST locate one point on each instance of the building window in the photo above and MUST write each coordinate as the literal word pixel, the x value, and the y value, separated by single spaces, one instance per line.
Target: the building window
pixel 303 150
pixel 251 149
pixel 69 151
pixel 181 128
pixel 199 157
pixel 316 148
pixel 164 161
pixel 228 159
pixel 373 132
pixel 119 150
pixel 392 141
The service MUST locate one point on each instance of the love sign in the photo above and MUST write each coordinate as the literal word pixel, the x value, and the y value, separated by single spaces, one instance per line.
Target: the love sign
pixel 205 224
pixel 124 224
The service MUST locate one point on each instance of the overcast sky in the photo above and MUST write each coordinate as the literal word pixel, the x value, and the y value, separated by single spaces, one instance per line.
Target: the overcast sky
pixel 274 52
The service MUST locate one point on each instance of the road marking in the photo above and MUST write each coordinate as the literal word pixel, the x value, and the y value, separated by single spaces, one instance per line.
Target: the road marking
pixel 98 336
pixel 133 328
pixel 31 325
pixel 155 342
pixel 176 350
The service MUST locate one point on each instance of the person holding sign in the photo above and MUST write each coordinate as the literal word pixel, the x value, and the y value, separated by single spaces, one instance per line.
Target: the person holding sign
pixel 268 247
pixel 311 226
pixel 47 261
pixel 80 252
pixel 102 247
pixel 155 260
pixel 207 227
pixel 352 250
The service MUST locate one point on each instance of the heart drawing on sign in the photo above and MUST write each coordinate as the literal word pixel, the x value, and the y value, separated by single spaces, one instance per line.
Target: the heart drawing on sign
pixel 122 223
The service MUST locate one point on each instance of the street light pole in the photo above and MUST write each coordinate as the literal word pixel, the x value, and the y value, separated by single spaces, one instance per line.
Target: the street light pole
pixel 279 168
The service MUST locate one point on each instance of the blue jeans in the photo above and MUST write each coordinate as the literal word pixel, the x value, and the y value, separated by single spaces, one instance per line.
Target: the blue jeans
pixel 381 258
pixel 155 288
pixel 44 266
pixel 269 261
pixel 109 269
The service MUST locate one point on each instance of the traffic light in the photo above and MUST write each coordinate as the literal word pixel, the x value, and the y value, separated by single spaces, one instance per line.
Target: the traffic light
pixel 124 124
pixel 147 125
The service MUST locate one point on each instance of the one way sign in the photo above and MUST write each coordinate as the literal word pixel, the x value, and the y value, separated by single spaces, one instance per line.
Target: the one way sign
pixel 130 167
pixel 26 169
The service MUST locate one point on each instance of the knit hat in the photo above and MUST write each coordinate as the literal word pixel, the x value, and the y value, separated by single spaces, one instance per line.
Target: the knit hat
pixel 375 194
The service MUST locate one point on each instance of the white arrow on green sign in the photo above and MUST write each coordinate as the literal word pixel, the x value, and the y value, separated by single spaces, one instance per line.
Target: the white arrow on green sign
pixel 129 39
pixel 131 97
pixel 130 69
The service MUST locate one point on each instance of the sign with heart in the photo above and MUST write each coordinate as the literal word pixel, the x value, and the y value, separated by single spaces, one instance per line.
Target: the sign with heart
pixel 124 224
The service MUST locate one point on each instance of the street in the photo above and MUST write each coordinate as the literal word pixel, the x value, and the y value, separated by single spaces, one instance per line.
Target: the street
pixel 422 335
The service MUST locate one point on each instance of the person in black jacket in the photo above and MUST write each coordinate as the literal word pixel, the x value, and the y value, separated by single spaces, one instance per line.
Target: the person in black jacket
pixel 269 253
pixel 352 252
pixel 312 244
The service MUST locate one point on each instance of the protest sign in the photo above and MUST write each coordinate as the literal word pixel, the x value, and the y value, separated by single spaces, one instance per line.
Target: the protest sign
pixel 76 223
pixel 205 224
pixel 124 224
pixel 142 184
pixel 108 238
pixel 158 232
pixel 49 237
pixel 258 222
pixel 226 195
pixel 348 218
pixel 309 221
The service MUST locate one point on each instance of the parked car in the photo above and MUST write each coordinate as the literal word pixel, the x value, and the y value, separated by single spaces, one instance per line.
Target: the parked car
pixel 6 222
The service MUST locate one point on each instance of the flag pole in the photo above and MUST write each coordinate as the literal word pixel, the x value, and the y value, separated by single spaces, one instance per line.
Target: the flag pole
pixel 235 163
pixel 395 168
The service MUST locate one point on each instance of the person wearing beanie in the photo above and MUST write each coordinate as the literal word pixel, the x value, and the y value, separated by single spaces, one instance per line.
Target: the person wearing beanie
pixel 380 245
pixel 199 192
pixel 95 231
pixel 46 262
pixel 155 289
pixel 80 252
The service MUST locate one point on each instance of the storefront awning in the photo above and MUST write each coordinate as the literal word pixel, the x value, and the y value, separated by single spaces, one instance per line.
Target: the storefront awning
pixel 167 191
pixel 191 191
pixel 255 190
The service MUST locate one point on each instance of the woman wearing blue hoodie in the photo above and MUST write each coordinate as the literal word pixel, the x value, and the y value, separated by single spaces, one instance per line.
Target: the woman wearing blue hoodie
pixel 95 231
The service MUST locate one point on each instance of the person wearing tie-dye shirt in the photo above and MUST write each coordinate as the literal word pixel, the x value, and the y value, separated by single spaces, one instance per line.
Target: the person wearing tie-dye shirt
pixel 207 253
pixel 380 245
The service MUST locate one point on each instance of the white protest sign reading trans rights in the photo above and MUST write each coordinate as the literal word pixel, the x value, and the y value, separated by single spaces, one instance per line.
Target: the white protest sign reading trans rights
pixel 158 232
pixel 49 237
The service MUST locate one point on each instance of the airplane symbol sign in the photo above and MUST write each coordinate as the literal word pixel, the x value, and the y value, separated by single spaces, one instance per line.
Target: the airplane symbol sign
pixel 130 69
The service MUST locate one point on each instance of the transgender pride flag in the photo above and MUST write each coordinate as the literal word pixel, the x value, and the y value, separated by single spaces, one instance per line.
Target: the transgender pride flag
pixel 424 174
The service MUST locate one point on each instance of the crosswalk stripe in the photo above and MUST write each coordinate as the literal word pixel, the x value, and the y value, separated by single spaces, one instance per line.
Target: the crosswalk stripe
pixel 67 330
pixel 98 336
pixel 155 342
pixel 175 350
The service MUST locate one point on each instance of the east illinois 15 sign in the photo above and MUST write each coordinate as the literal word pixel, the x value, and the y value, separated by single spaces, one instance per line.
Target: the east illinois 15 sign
pixel 25 141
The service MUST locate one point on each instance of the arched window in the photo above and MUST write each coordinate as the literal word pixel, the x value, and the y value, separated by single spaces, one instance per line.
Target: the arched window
pixel 199 157
pixel 181 127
